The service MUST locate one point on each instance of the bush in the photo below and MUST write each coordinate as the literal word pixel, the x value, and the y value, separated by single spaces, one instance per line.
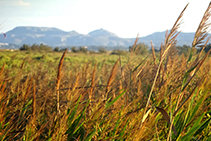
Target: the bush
pixel 73 49
pixel 183 50
pixel 206 49
pixel 44 47
pixel 36 47
pixel 80 49
pixel 119 52
pixel 83 49
pixel 63 49
pixel 140 48
pixel 102 50
pixel 24 47
pixel 56 49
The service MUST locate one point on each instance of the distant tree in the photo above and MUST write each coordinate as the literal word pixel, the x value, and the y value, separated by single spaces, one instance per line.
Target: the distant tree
pixel 56 49
pixel 44 47
pixel 102 50
pixel 183 49
pixel 36 47
pixel 83 49
pixel 206 49
pixel 63 49
pixel 119 52
pixel 24 47
pixel 140 48
pixel 80 49
pixel 73 49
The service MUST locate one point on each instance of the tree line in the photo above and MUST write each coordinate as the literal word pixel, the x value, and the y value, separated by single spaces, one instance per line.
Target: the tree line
pixel 140 49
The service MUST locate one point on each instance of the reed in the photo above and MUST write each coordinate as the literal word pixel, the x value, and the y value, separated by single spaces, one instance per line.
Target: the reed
pixel 111 79
pixel 199 38
pixel 161 96
pixel 92 88
pixel 169 40
pixel 153 53
pixel 59 79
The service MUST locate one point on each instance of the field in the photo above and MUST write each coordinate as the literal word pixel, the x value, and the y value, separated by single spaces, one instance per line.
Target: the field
pixel 80 96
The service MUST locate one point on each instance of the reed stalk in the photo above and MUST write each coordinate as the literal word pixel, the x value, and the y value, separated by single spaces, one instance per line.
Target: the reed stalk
pixel 169 40
pixel 59 79
pixel 199 38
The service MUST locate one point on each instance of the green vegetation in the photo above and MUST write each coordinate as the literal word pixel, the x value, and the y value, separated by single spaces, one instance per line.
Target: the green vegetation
pixel 184 50
pixel 82 96
pixel 206 49
pixel 140 48
pixel 35 47
pixel 80 49
pixel 102 50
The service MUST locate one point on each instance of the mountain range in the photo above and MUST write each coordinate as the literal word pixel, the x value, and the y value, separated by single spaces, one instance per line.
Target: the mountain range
pixel 100 37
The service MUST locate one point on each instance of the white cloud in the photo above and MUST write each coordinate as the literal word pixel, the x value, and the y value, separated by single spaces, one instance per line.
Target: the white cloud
pixel 14 3
pixel 22 3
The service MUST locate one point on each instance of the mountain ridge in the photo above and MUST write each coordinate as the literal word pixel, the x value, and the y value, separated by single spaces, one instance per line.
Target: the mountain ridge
pixel 100 37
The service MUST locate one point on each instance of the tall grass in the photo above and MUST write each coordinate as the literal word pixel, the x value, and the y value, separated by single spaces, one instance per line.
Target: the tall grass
pixel 154 98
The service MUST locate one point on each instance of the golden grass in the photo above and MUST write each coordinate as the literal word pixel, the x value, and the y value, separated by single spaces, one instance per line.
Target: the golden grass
pixel 59 78
pixel 141 99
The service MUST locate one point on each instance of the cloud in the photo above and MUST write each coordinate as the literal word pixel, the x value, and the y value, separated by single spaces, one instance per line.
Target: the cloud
pixel 14 3
pixel 22 3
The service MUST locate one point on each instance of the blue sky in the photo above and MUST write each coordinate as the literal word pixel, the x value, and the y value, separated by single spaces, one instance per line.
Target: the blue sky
pixel 126 18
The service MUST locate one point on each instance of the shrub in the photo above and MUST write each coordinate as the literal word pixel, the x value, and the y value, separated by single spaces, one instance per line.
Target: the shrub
pixel 83 49
pixel 140 48
pixel 24 47
pixel 119 52
pixel 36 47
pixel 73 49
pixel 102 50
pixel 56 49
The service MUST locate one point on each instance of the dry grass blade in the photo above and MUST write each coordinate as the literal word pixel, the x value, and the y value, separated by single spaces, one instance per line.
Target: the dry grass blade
pixel 198 65
pixel 59 78
pixel 153 52
pixel 112 77
pixel 2 69
pixel 199 37
pixel 74 88
pixel 37 135
pixel 93 82
pixel 134 49
pixel 147 61
pixel 121 69
pixel 202 30
pixel 166 36
pixel 170 39
pixel 186 99
pixel 169 44
pixel 28 90
pixel 161 51
pixel 34 102
pixel 59 69
pixel 146 115
pixel 203 48
pixel 167 118
pixel 23 63
pixel 98 111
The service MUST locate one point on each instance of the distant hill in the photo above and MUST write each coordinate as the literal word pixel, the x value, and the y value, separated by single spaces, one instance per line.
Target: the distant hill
pixel 100 37
pixel 158 37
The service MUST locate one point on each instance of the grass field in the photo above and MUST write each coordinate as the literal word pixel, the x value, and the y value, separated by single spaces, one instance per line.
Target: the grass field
pixel 72 96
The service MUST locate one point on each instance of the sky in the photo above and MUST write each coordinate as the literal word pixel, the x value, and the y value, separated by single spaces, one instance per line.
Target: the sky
pixel 125 18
